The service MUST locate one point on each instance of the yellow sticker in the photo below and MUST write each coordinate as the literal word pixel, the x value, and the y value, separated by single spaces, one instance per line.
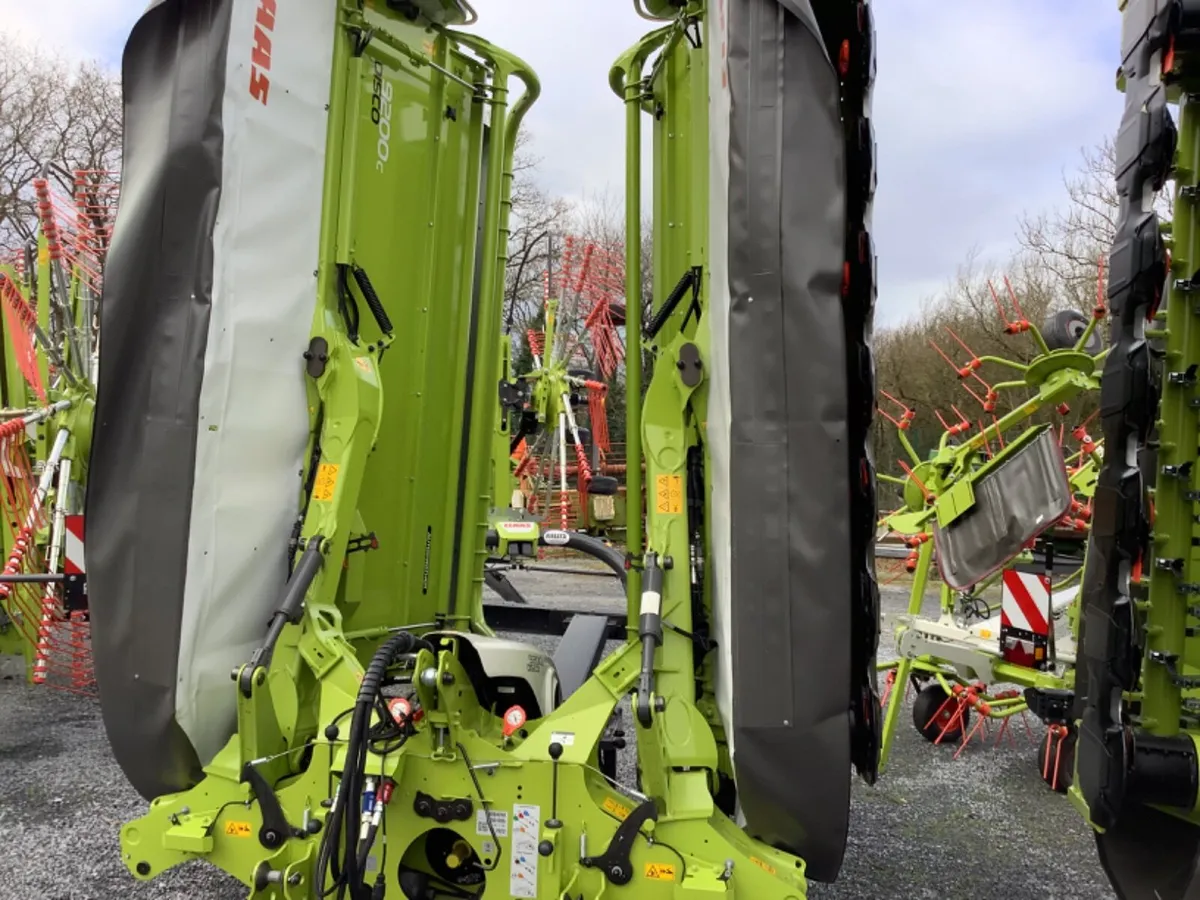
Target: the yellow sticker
pixel 617 809
pixel 427 47
pixel 763 864
pixel 43 255
pixel 363 363
pixel 660 871
pixel 668 490
pixel 238 829
pixel 327 476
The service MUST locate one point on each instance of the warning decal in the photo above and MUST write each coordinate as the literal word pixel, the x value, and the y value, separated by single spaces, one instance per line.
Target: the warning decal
pixel 326 481
pixel 620 810
pixel 660 871
pixel 668 492
pixel 763 864
pixel 499 823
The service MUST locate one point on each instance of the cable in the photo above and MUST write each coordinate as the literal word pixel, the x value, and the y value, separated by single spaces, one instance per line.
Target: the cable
pixel 213 824
pixel 682 862
pixel 340 832
pixel 487 811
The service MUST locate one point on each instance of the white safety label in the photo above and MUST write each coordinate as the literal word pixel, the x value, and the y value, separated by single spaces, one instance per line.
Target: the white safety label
pixel 499 823
pixel 523 868
pixel 566 738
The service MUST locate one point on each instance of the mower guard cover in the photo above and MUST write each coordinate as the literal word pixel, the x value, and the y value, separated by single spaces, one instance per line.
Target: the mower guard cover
pixel 785 387
pixel 202 421
pixel 1014 503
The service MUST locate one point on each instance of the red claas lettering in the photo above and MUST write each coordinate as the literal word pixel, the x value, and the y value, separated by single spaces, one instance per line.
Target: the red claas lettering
pixel 260 57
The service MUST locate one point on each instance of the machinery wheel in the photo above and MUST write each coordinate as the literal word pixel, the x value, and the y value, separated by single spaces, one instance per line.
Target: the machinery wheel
pixel 1058 781
pixel 931 714
pixel 603 486
pixel 1063 328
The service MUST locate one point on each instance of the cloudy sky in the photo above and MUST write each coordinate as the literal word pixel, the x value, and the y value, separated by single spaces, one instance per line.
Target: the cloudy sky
pixel 980 108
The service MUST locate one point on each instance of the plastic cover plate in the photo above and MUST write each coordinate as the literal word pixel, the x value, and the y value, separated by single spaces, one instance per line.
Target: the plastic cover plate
pixel 1014 503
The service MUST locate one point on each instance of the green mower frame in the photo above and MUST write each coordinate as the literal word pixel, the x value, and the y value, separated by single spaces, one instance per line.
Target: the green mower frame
pixel 266 810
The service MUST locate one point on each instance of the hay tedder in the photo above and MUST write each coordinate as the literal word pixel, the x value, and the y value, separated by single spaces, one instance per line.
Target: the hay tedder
pixel 50 294
pixel 571 370
pixel 990 502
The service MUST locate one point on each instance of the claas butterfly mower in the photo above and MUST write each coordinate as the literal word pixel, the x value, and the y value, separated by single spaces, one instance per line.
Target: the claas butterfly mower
pixel 299 473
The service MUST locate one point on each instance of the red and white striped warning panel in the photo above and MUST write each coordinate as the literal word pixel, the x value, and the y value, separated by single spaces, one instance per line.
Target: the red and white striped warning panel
pixel 73 546
pixel 1025 602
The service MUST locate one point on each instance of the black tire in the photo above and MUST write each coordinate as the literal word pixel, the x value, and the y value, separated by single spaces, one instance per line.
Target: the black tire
pixel 929 721
pixel 1063 329
pixel 1066 762
pixel 603 486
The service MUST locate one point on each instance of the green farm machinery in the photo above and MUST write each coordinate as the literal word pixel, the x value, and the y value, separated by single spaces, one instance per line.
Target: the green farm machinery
pixel 1137 684
pixel 302 463
pixel 981 502
pixel 302 469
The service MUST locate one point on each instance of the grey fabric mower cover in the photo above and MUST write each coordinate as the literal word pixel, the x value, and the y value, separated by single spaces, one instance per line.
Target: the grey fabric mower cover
pixel 201 419
pixel 790 378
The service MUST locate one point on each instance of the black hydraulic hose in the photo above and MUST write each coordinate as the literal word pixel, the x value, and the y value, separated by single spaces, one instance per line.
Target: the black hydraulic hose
pixel 373 301
pixel 314 461
pixel 576 540
pixel 341 819
pixel 593 547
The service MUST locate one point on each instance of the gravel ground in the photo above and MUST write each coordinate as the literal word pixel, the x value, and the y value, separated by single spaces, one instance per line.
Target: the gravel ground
pixel 981 827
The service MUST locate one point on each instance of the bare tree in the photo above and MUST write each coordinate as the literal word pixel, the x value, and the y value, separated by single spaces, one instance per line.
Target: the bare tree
pixel 538 219
pixel 1067 244
pixel 55 119
pixel 1056 267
